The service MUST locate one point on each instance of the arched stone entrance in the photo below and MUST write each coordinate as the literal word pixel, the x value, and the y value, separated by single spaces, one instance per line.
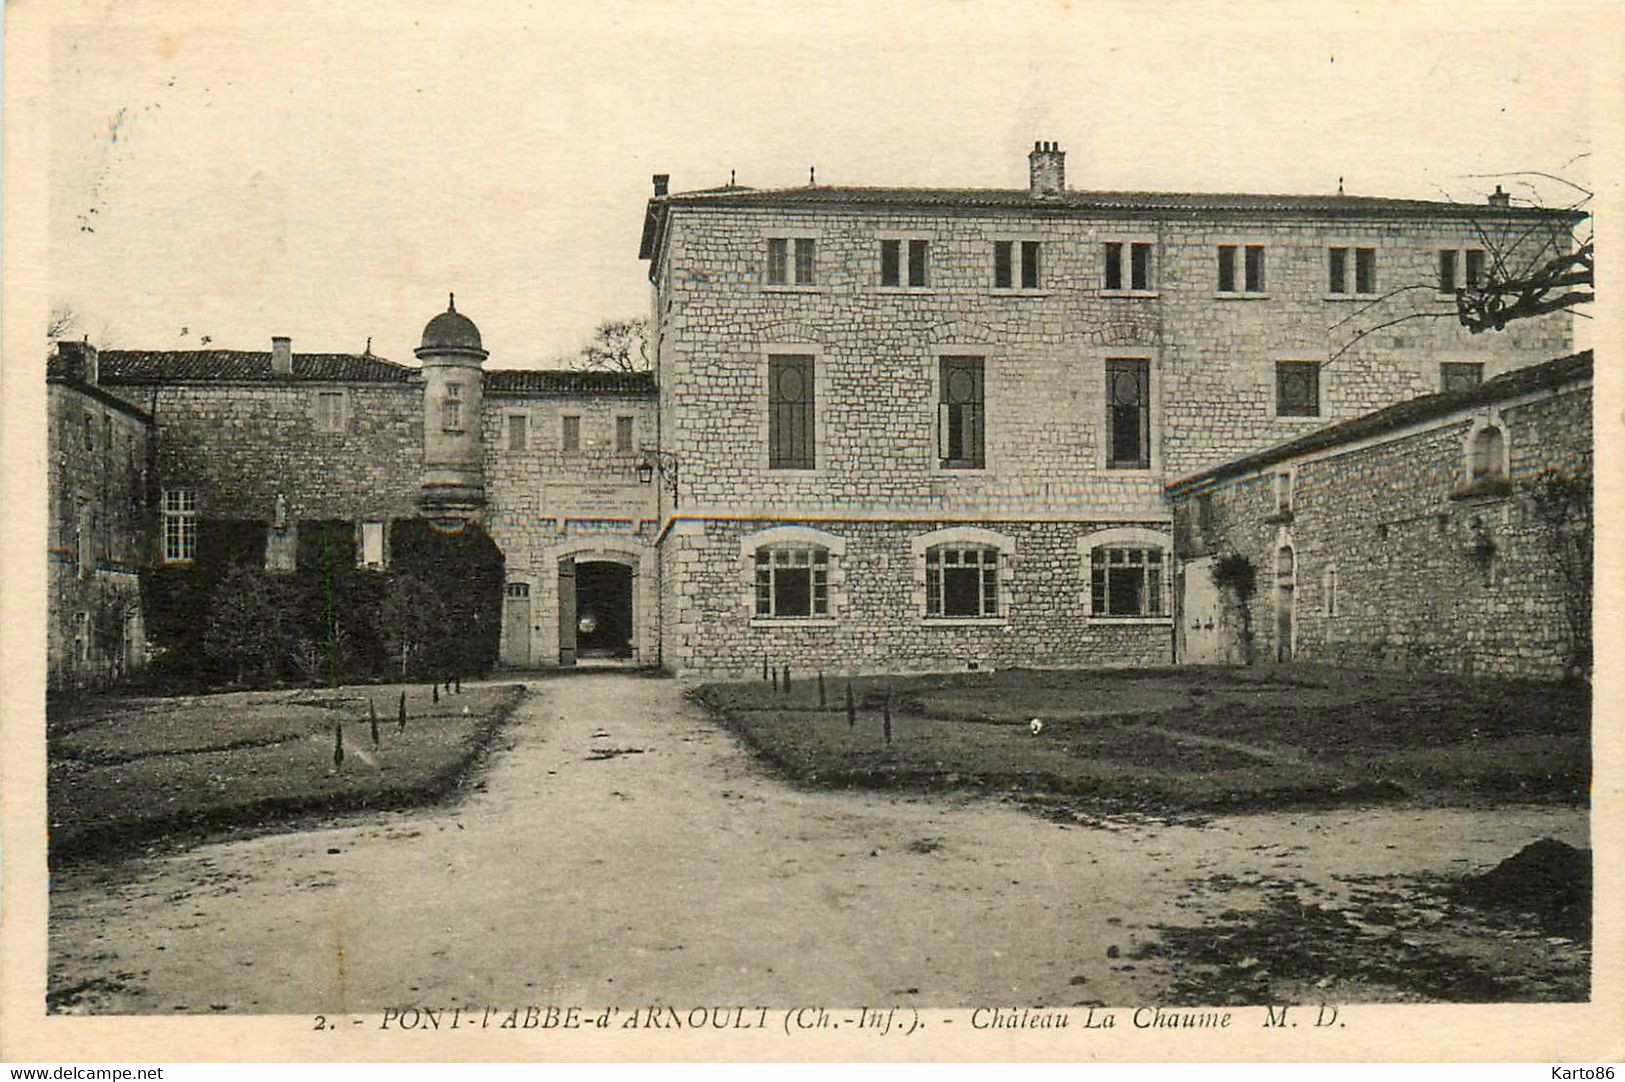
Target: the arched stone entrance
pixel 598 606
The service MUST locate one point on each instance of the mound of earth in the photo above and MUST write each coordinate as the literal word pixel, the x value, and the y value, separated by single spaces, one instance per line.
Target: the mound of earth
pixel 1548 878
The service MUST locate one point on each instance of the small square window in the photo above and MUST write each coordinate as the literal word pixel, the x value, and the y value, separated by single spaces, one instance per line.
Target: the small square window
pixel 1460 375
pixel 1297 389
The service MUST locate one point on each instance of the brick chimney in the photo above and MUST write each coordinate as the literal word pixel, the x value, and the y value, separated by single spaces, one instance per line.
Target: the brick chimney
pixel 1047 166
pixel 1498 198
pixel 281 356
pixel 80 360
pixel 662 180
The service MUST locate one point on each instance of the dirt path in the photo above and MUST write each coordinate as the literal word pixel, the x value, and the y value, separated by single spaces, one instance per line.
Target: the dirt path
pixel 627 851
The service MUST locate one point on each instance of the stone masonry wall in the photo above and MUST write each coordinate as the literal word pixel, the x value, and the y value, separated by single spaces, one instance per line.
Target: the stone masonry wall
pixel 545 504
pixel 242 445
pixel 99 537
pixel 1416 588
pixel 1212 359
pixel 877 621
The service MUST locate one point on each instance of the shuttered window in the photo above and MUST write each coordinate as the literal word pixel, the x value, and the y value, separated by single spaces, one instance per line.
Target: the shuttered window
pixel 961 411
pixel 1128 414
pixel 790 396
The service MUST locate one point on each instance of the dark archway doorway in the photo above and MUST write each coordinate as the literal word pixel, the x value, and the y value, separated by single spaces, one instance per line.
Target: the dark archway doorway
pixel 603 609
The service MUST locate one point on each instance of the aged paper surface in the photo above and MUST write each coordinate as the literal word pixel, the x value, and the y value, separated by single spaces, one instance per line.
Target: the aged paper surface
pixel 734 72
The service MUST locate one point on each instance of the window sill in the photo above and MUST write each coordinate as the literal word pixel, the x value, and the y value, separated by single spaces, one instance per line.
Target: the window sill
pixel 1219 296
pixel 792 289
pixel 1131 621
pixel 964 621
pixel 1301 418
pixel 1487 490
pixel 980 469
pixel 997 291
pixel 793 621
pixel 794 472
pixel 906 291
pixel 1118 294
pixel 1129 467
pixel 1334 297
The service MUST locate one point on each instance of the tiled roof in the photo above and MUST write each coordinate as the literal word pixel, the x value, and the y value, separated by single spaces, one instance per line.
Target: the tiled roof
pixel 201 365
pixel 1084 202
pixel 1519 381
pixel 561 381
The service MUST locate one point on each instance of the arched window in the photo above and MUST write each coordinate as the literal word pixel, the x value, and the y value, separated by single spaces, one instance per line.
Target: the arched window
pixel 1128 573
pixel 1488 458
pixel 961 580
pixel 793 573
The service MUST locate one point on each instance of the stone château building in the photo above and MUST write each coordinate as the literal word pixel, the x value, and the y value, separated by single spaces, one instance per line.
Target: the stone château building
pixel 886 428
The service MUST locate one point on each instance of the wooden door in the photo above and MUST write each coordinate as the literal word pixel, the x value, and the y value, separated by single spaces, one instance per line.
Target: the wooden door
pixel 1201 627
pixel 516 624
pixel 567 611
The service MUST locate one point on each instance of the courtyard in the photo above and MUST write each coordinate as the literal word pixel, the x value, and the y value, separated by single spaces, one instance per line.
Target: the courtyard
pixel 623 847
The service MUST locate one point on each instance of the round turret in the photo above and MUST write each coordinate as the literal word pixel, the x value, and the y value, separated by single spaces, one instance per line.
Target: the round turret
pixel 453 478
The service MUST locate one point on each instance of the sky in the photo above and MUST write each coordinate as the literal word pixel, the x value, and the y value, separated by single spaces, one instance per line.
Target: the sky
pixel 330 172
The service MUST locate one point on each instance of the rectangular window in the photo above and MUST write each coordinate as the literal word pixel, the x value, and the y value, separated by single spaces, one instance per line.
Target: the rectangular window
pixel 1001 264
pixel 1029 264
pixel 1337 267
pixel 1475 268
pixel 790 396
pixel 330 412
pixel 1126 582
pixel 961 409
pixel 1227 268
pixel 451 409
pixel 372 544
pixel 792 582
pixel 805 249
pixel 623 435
pixel 891 262
pixel 518 431
pixel 962 581
pixel 1114 266
pixel 1448 258
pixel 1365 270
pixel 90 431
pixel 570 432
pixel 1128 414
pixel 517 591
pixel 1283 493
pixel 778 261
pixel 1297 389
pixel 1255 268
pixel 918 261
pixel 179 525
pixel 1460 375
pixel 1140 266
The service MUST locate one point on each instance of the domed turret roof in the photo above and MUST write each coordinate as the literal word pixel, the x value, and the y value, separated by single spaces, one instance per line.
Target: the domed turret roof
pixel 451 330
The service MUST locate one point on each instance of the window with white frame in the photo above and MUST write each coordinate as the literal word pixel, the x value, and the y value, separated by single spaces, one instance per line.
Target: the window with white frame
pixel 1128 569
pixel 1138 266
pixel 792 581
pixel 179 522
pixel 961 581
pixel 371 551
pixel 330 412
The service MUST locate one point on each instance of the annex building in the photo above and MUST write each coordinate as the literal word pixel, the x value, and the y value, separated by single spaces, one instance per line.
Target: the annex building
pixel 886 429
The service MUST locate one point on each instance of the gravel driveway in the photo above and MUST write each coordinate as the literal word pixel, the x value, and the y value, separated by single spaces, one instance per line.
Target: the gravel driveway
pixel 625 850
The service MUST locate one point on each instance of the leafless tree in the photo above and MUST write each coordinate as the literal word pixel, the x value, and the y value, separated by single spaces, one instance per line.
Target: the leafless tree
pixel 63 320
pixel 618 345
pixel 1532 266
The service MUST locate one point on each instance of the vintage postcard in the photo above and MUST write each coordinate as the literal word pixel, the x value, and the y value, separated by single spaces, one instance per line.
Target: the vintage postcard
pixel 912 532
